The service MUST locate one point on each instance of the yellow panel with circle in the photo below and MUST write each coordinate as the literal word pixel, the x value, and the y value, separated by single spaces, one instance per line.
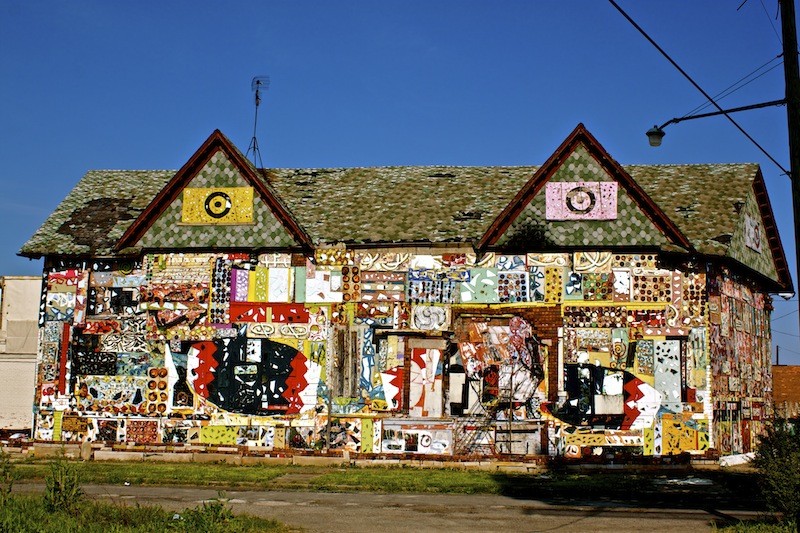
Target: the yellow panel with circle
pixel 217 205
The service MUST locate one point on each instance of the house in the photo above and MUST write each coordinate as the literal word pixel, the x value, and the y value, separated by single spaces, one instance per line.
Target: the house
pixel 577 307
pixel 786 391
pixel 19 309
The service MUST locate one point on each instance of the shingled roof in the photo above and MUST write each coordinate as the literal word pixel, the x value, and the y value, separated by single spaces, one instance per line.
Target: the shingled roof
pixel 410 204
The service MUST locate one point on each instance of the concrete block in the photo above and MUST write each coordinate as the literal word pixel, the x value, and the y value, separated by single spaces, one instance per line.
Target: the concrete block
pixel 377 462
pixel 168 457
pixel 212 457
pixel 70 451
pixel 510 467
pixel 256 460
pixel 103 455
pixel 313 460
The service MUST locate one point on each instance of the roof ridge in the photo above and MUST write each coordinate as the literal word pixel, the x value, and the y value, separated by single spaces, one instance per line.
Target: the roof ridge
pixel 659 165
pixel 397 166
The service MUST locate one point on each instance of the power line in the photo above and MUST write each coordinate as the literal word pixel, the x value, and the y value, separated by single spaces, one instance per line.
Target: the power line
pixel 768 18
pixel 770 22
pixel 784 316
pixel 696 86
pixel 787 334
pixel 733 88
pixel 787 349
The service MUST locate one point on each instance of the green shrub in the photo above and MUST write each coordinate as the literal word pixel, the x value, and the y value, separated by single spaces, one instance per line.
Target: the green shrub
pixel 7 477
pixel 211 516
pixel 778 461
pixel 62 490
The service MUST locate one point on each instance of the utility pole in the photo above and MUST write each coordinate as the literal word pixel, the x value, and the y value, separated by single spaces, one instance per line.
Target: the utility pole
pixel 792 76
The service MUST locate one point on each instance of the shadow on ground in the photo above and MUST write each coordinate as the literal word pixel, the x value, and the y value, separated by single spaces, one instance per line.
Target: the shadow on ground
pixel 680 489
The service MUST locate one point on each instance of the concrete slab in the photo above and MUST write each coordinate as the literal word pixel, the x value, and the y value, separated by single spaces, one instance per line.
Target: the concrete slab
pixel 71 451
pixel 212 457
pixel 103 455
pixel 256 460
pixel 168 457
pixel 311 460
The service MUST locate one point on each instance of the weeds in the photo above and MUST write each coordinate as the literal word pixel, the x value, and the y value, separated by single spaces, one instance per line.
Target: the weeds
pixel 27 514
pixel 7 477
pixel 211 516
pixel 62 487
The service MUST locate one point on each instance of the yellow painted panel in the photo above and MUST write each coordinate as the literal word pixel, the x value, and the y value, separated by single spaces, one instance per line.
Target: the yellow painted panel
pixel 586 439
pixel 280 437
pixel 219 434
pixel 220 205
pixel 649 445
pixel 366 435
pixel 57 416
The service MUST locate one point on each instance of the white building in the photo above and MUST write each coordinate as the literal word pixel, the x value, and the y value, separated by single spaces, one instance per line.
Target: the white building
pixel 19 311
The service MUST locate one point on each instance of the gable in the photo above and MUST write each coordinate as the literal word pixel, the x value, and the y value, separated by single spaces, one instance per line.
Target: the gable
pixel 193 219
pixel 749 243
pixel 755 242
pixel 581 197
pixel 216 201
pixel 582 205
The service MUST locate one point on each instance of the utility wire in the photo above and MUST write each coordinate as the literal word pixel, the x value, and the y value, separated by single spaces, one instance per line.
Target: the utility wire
pixel 784 333
pixel 787 349
pixel 768 17
pixel 732 89
pixel 784 316
pixel 770 21
pixel 696 86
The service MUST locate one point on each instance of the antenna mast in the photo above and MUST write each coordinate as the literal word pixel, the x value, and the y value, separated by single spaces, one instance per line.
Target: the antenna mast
pixel 258 84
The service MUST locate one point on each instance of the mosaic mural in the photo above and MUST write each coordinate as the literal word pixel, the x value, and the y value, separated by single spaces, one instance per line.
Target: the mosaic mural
pixel 259 349
pixel 228 325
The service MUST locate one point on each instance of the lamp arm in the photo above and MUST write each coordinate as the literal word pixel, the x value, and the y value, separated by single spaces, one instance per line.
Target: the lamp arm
pixel 723 112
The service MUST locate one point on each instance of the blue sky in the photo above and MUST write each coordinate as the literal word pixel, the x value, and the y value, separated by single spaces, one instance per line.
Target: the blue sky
pixel 140 85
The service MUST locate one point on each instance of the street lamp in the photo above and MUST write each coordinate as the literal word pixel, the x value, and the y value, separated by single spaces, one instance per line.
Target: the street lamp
pixel 656 133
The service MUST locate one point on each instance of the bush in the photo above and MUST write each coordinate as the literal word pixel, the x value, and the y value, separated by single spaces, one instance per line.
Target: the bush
pixel 62 490
pixel 778 460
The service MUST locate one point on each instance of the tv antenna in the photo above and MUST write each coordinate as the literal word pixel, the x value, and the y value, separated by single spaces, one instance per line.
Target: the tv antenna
pixel 258 84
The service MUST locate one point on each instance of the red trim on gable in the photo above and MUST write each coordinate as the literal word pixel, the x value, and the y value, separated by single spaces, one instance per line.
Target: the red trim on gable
pixel 581 136
pixel 771 229
pixel 215 142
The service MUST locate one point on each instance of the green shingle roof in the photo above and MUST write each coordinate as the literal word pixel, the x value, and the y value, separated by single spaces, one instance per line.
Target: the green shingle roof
pixel 701 199
pixel 392 204
pixel 95 214
pixel 436 204
pixel 398 204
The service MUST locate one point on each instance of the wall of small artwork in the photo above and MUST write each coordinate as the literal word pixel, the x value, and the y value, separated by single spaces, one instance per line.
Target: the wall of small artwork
pixel 393 352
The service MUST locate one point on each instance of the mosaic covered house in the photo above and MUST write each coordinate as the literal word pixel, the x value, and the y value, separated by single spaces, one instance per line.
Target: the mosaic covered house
pixel 578 307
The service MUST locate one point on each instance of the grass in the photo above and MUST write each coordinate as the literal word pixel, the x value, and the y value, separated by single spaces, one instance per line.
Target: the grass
pixel 674 489
pixel 759 526
pixel 380 479
pixel 647 487
pixel 395 480
pixel 161 473
pixel 30 514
